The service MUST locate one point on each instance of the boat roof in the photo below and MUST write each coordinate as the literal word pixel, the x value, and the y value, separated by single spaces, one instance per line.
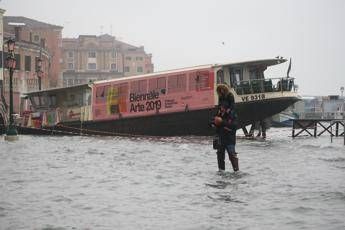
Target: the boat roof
pixel 265 62
pixel 36 93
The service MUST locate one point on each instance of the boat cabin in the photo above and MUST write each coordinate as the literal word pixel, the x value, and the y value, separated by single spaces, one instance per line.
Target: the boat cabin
pixel 249 78
pixel 49 107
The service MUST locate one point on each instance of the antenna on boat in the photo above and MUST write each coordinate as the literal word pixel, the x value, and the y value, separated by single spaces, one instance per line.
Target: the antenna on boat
pixel 289 68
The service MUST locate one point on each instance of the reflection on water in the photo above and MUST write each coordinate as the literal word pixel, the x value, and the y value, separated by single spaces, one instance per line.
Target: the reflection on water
pixel 171 183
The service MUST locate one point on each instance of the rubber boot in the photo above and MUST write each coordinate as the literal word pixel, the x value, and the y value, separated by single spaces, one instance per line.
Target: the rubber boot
pixel 234 162
pixel 264 135
pixel 221 160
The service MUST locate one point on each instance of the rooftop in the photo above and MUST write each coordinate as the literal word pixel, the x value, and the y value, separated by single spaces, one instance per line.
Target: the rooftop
pixel 31 23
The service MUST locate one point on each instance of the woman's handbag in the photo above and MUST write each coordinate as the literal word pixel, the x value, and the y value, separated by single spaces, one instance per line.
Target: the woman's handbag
pixel 216 142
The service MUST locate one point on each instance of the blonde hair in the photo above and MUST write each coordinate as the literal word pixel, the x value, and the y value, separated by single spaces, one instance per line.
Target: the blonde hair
pixel 222 90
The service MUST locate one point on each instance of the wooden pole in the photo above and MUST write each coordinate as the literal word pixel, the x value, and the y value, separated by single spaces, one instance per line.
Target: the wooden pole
pixel 331 132
pixel 336 128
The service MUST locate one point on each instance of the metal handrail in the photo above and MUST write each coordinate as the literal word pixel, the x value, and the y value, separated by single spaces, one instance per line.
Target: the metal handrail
pixel 265 85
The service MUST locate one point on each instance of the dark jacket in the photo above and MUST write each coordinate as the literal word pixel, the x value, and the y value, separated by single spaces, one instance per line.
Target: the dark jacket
pixel 227 129
pixel 227 100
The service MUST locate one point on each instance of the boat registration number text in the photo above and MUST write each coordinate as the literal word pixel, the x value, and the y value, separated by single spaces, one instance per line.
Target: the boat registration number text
pixel 254 97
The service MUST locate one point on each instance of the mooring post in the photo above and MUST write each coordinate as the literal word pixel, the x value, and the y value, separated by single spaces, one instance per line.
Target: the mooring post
pixel 315 128
pixel 331 132
pixel 337 128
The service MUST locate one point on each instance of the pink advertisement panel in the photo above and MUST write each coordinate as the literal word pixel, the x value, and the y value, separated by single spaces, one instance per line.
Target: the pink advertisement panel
pixel 166 93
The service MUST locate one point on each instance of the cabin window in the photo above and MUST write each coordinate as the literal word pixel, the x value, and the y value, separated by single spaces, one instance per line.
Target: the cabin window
pixel 86 97
pixel 255 74
pixel 52 100
pixel 35 101
pixel 73 99
pixel 101 93
pixel 123 90
pixel 134 86
pixel 199 80
pixel 161 83
pixel 220 76
pixel 139 86
pixel 157 84
pixel 113 92
pixel 143 86
pixel 177 83
pixel 117 98
pixel 258 72
pixel 153 84
pixel 236 76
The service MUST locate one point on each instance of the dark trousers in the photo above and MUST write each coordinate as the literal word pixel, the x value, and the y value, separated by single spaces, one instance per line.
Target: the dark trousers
pixel 232 157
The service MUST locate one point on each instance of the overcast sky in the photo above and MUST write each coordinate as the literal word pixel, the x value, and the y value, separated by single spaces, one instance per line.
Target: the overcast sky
pixel 181 33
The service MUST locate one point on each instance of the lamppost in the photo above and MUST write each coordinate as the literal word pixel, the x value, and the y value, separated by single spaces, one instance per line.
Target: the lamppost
pixel 342 97
pixel 11 133
pixel 39 72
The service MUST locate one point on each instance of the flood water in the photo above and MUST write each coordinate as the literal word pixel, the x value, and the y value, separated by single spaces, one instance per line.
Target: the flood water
pixel 171 183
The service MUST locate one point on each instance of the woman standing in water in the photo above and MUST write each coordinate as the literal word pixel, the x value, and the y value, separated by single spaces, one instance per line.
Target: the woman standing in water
pixel 226 126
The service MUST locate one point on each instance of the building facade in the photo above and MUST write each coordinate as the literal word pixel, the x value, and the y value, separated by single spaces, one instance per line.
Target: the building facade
pixel 46 36
pixel 27 51
pixel 89 58
pixel 317 107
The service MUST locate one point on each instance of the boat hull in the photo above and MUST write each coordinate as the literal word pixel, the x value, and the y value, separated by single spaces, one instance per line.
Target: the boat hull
pixel 196 122
pixel 252 111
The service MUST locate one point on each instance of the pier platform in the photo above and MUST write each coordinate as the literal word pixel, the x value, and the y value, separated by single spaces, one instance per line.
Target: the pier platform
pixel 317 127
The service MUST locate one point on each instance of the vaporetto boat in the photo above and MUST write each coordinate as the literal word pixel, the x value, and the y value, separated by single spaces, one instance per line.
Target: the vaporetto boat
pixel 167 103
